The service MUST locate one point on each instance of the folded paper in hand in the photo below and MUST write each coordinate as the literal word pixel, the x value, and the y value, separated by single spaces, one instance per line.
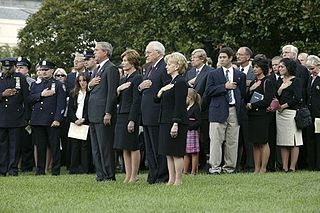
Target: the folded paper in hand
pixel 317 125
pixel 78 132
pixel 256 97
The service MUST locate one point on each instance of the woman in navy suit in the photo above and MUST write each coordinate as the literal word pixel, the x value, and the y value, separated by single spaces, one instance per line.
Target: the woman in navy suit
pixel 128 116
pixel 174 117
pixel 313 100
pixel 78 113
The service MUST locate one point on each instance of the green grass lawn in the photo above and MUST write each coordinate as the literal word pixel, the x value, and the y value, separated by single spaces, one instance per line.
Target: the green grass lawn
pixel 272 192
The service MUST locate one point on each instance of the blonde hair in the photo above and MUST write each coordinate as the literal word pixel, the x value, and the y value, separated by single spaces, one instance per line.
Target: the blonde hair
pixel 178 59
pixel 192 93
pixel 60 70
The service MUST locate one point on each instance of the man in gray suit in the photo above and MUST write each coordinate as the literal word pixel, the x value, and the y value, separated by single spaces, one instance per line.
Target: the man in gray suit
pixel 102 112
pixel 243 59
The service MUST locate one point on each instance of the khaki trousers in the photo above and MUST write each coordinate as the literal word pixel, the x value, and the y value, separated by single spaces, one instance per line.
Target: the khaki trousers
pixel 228 132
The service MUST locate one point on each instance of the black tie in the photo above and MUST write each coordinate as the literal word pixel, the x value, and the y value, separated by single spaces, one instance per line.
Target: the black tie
pixel 229 91
pixel 242 70
pixel 197 72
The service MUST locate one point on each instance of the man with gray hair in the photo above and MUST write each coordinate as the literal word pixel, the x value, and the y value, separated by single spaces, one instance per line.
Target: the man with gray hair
pixel 302 58
pixel 155 78
pixel 101 112
pixel 197 79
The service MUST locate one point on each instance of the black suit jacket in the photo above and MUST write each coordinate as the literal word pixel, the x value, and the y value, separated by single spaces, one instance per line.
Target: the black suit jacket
pixel 313 99
pixel 73 106
pixel 200 86
pixel 173 107
pixel 303 73
pixel 150 109
pixel 130 98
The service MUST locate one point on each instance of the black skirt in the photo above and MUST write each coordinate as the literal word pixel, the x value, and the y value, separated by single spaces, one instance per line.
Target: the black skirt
pixel 124 139
pixel 172 146
pixel 258 127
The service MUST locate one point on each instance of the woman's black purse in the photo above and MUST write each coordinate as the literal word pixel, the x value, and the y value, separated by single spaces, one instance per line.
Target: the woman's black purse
pixel 303 118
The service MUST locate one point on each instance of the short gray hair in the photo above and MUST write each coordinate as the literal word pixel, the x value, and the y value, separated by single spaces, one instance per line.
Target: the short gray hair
pixel 157 46
pixel 202 54
pixel 106 46
pixel 313 60
pixel 293 49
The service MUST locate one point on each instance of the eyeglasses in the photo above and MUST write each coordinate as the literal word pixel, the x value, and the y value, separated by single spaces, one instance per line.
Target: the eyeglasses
pixel 59 76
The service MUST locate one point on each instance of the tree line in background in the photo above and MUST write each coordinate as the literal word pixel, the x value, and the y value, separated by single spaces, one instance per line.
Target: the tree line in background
pixel 62 27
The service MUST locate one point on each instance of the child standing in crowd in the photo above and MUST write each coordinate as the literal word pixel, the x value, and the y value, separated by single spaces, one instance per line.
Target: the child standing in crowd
pixel 192 147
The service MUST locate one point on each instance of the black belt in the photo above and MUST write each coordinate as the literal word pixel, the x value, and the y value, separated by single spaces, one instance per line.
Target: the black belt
pixel 232 105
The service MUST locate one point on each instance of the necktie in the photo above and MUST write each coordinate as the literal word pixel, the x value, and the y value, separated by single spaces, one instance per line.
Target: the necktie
pixel 197 72
pixel 90 74
pixel 98 71
pixel 150 72
pixel 229 91
pixel 242 70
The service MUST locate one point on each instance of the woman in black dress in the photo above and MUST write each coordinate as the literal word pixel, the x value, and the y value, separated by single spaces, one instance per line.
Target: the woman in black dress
pixel 128 116
pixel 258 118
pixel 174 117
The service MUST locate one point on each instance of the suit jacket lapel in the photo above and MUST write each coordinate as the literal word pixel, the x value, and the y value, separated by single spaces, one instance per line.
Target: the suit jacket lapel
pixel 201 75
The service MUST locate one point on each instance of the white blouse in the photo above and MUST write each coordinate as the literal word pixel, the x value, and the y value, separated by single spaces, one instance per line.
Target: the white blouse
pixel 80 102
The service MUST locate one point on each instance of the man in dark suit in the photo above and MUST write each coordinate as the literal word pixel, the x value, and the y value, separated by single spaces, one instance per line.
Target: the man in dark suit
pixel 225 88
pixel 48 101
pixel 244 55
pixel 78 67
pixel 154 79
pixel 102 112
pixel 197 79
pixel 14 116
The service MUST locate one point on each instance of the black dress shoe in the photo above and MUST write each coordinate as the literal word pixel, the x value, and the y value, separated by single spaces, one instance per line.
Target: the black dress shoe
pixel 12 173
pixel 291 170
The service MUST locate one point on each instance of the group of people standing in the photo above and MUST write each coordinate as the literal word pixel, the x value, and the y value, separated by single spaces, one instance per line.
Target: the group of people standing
pixel 221 119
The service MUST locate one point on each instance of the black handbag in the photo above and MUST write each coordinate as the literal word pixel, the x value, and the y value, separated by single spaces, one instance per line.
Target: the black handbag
pixel 303 118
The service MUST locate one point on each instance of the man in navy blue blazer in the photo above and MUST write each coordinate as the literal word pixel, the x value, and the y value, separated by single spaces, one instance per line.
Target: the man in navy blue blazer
pixel 226 87
pixel 154 79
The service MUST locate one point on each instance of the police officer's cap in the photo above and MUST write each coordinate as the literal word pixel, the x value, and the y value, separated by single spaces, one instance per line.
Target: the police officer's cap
pixel 8 63
pixel 46 65
pixel 23 62
pixel 88 54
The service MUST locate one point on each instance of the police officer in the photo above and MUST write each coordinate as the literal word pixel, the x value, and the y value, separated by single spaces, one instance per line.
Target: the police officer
pixel 48 100
pixel 90 63
pixel 26 146
pixel 14 116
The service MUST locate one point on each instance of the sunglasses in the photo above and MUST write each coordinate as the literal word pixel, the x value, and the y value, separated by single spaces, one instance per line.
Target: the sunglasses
pixel 60 75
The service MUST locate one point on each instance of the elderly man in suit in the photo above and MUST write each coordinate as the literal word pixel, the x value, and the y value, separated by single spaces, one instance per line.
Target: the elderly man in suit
pixel 14 116
pixel 154 79
pixel 197 79
pixel 225 88
pixel 78 67
pixel 102 112
pixel 243 60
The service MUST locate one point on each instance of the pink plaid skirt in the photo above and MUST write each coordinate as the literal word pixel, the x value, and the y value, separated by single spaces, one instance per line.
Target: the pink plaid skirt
pixel 192 141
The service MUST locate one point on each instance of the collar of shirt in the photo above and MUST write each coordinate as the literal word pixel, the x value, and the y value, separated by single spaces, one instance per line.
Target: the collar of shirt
pixel 230 70
pixel 155 64
pixel 245 69
pixel 200 68
pixel 102 63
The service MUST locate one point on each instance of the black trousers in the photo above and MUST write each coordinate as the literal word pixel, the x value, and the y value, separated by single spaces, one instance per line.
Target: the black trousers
pixel 204 143
pixel 80 156
pixel 65 144
pixel 158 170
pixel 102 139
pixel 26 153
pixel 9 142
pixel 47 136
pixel 312 146
pixel 245 148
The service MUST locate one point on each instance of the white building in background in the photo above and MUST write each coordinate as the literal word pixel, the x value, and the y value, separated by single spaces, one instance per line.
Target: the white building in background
pixel 13 16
